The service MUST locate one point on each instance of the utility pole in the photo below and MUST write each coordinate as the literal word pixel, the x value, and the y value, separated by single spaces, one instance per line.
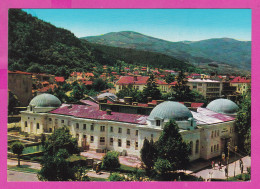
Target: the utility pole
pixel 235 160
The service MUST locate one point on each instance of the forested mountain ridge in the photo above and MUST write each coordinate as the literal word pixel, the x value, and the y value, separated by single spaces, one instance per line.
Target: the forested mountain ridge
pixel 221 50
pixel 38 46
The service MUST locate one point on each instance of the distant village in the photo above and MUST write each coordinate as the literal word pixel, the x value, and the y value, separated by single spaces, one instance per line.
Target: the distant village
pixel 26 85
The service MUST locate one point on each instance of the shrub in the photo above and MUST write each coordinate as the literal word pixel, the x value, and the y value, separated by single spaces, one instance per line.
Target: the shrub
pixel 110 161
pixel 116 177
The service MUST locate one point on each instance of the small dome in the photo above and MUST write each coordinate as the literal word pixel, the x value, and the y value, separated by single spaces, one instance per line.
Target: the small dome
pixel 45 100
pixel 223 106
pixel 111 95
pixel 170 110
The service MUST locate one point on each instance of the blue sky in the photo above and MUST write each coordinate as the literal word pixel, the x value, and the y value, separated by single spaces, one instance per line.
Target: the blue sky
pixel 167 24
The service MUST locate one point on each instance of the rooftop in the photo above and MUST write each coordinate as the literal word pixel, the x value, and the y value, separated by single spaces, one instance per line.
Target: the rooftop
pixel 131 80
pixel 92 112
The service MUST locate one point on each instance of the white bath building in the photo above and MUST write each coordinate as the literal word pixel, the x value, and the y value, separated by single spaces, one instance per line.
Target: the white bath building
pixel 207 129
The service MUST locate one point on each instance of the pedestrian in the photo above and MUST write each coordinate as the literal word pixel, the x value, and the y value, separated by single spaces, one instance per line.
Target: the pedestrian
pixel 219 165
pixel 226 172
pixel 213 164
pixel 242 168
pixel 240 163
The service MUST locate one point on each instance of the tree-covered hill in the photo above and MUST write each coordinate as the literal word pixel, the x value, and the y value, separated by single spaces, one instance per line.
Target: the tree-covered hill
pixel 38 46
pixel 222 50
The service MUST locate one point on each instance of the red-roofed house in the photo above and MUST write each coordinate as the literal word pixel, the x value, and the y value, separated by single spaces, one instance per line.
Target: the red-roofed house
pixel 59 80
pixel 138 82
pixel 241 83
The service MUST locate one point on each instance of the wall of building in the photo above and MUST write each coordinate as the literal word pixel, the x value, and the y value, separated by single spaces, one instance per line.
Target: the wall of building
pixel 209 138
pixel 21 86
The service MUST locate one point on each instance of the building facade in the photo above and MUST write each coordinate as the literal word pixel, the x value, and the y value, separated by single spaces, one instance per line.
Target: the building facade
pixel 20 84
pixel 205 130
pixel 208 88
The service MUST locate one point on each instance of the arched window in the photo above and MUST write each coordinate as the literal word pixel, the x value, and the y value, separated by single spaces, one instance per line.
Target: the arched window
pixel 25 124
pixel 214 148
pixel 197 147
pixel 215 133
pixel 191 147
pixel 212 134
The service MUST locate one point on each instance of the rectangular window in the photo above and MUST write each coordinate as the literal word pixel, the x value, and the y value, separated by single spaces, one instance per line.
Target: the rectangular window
pixel 215 133
pixel 119 130
pixel 158 122
pixel 102 128
pixel 62 121
pixel 136 133
pixel 92 127
pixel 211 149
pixel 50 130
pixel 128 131
pixel 119 142
pixel 77 126
pixel 28 117
pixel 38 126
pixel 91 139
pixel 84 136
pixel 128 143
pixel 111 141
pixel 49 119
pixel 217 147
pixel 151 136
pixel 111 129
pixel 218 132
pixel 212 134
pixel 102 140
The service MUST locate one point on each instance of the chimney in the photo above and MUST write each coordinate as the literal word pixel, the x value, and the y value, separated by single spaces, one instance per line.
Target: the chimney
pixel 149 99
pixel 109 112
pixel 128 100
pixel 135 77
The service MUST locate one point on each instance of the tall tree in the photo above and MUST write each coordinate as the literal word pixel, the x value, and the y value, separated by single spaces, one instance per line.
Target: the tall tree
pixel 243 123
pixel 129 91
pixel 181 92
pixel 17 148
pixel 57 149
pixel 172 149
pixel 151 90
pixel 148 154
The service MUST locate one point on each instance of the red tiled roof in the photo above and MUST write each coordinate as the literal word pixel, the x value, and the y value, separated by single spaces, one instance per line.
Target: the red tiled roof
pixel 162 75
pixel 59 79
pixel 173 83
pixel 87 82
pixel 89 74
pixel 45 89
pixel 160 82
pixel 127 68
pixel 45 82
pixel 130 80
pixel 240 80
pixel 19 72
pixel 90 112
pixel 113 72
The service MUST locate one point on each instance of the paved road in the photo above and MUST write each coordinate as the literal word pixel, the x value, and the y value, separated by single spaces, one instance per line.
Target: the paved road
pixel 21 176
pixel 220 174
pixel 30 164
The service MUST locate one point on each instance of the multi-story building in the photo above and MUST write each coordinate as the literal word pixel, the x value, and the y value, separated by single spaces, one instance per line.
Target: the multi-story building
pixel 241 83
pixel 20 84
pixel 208 88
pixel 207 130
pixel 138 82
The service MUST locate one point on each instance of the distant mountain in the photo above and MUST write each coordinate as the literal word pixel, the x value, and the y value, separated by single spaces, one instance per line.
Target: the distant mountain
pixel 38 46
pixel 221 50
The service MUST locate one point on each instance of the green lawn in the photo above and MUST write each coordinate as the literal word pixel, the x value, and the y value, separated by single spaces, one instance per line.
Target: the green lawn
pixel 97 179
pixel 126 169
pixel 22 168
